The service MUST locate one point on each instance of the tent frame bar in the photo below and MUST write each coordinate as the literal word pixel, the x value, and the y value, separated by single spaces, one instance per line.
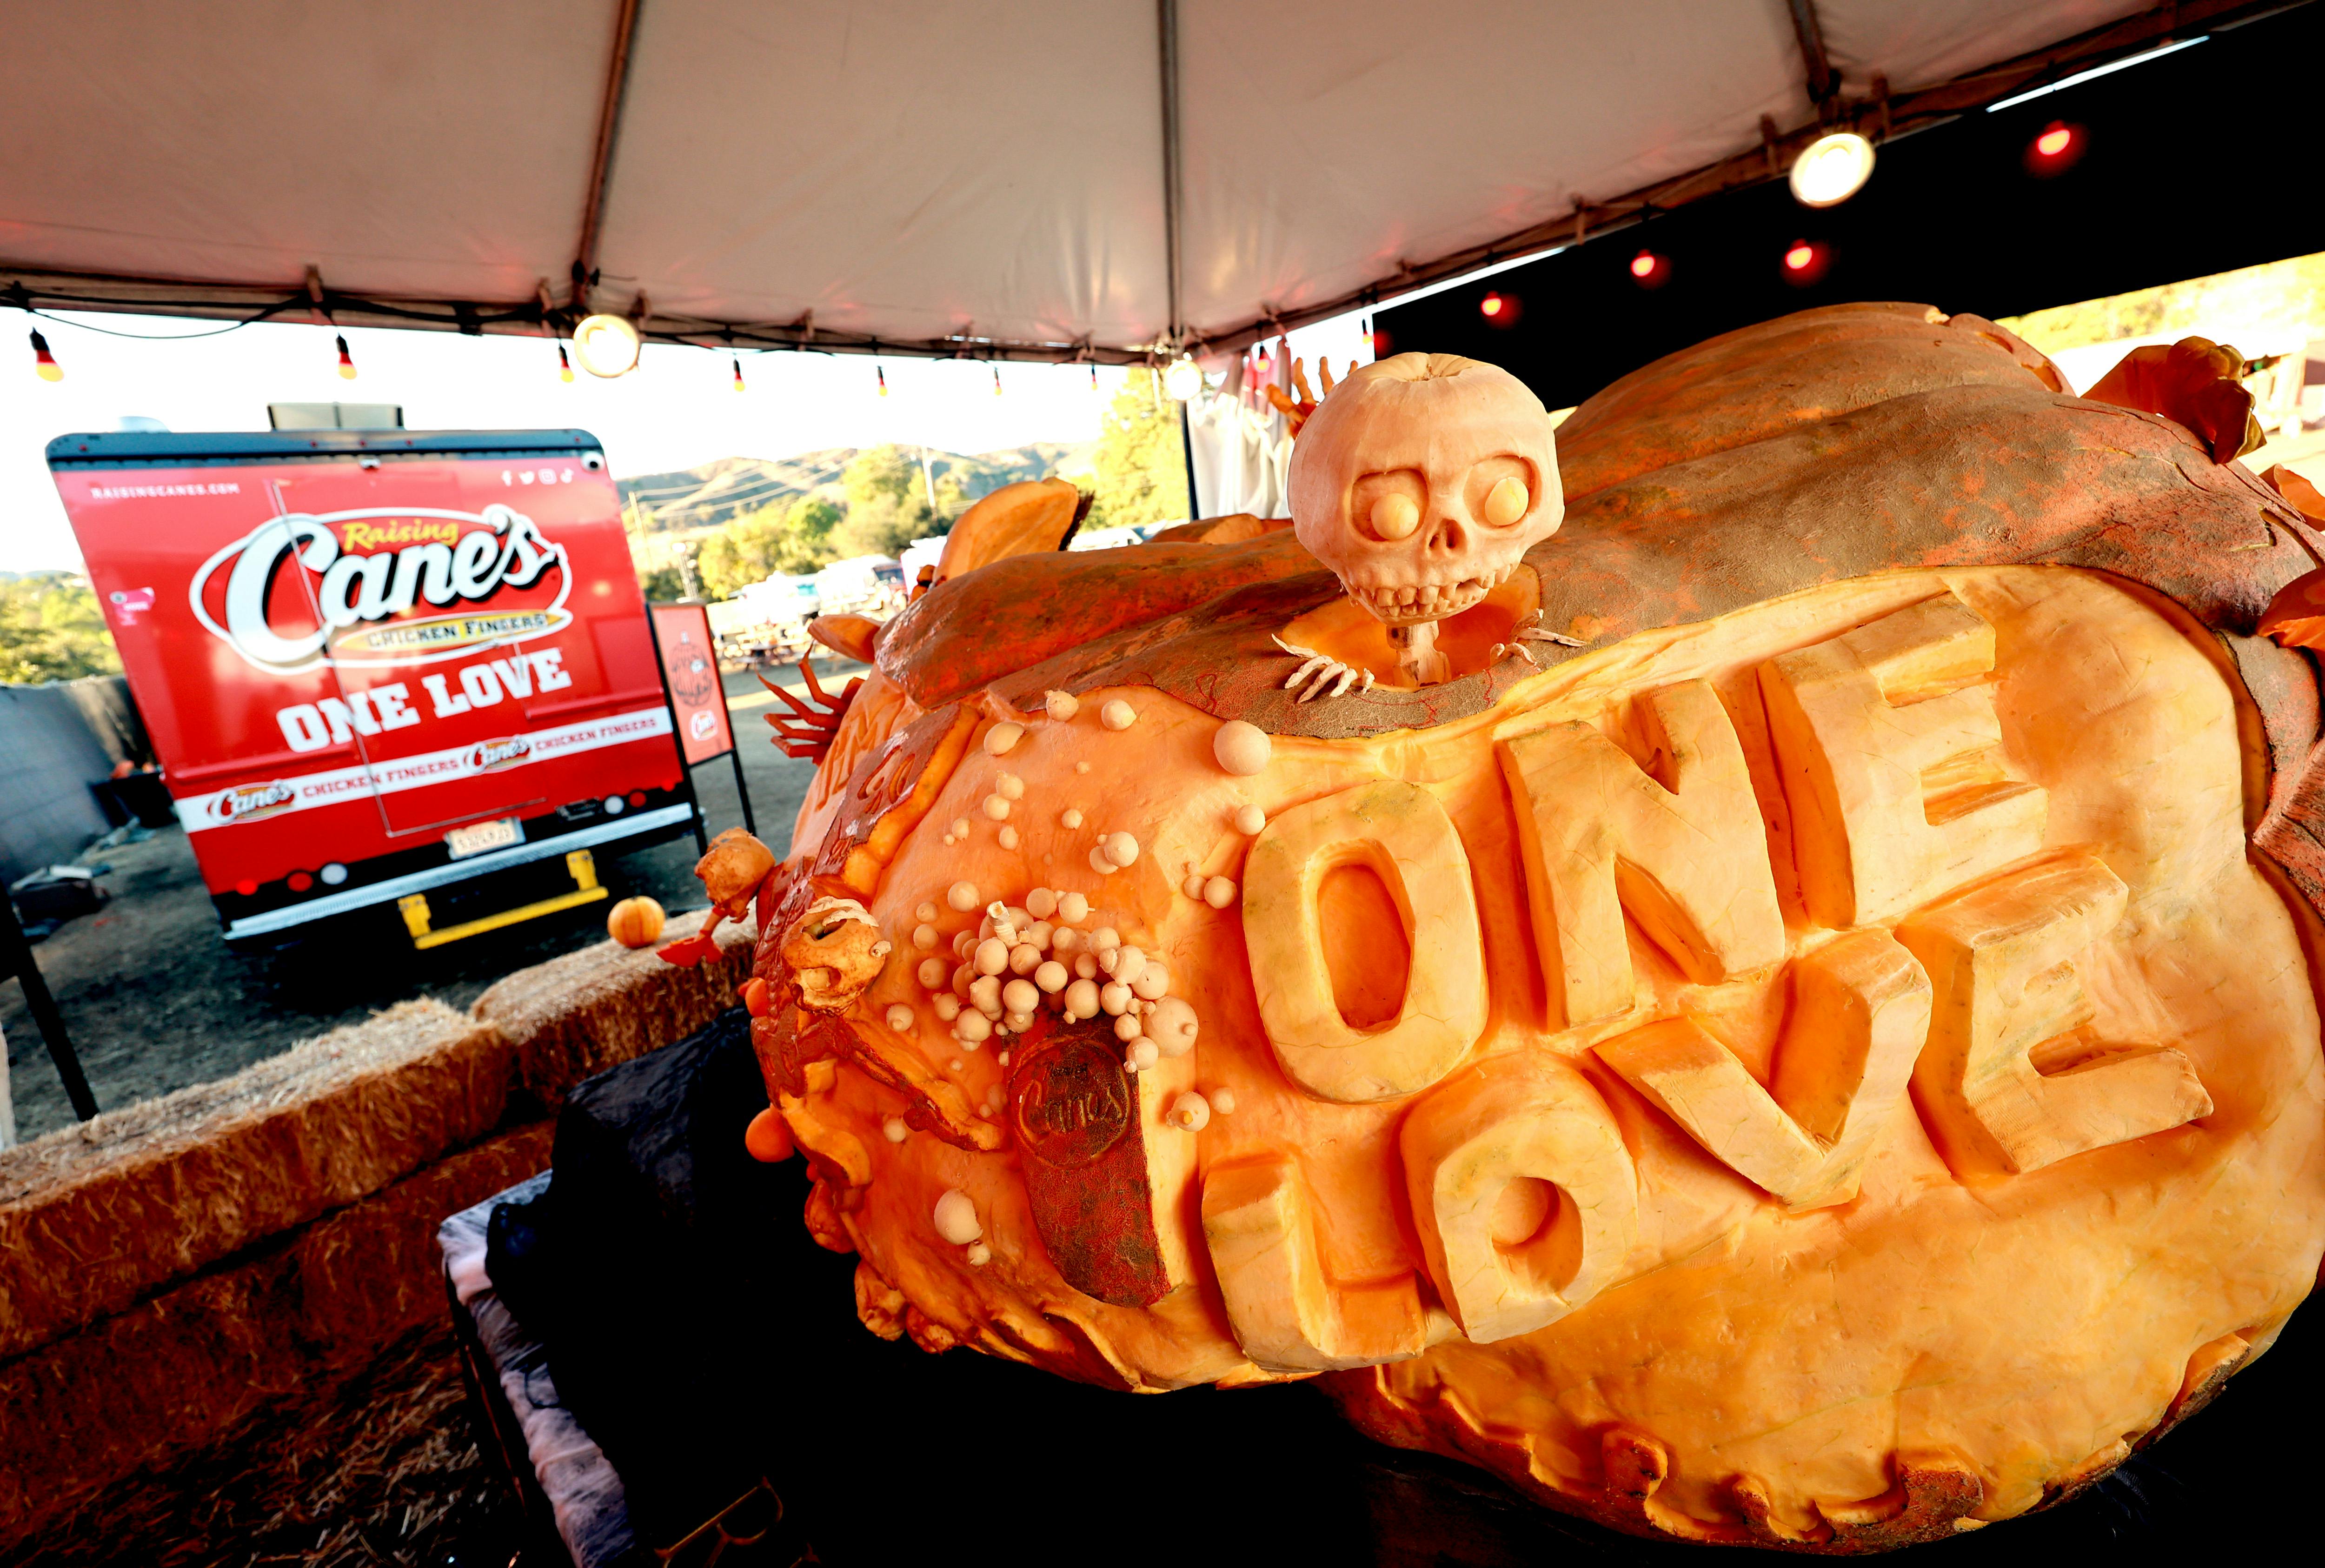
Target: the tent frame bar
pixel 601 160
pixel 1823 85
pixel 1879 114
pixel 1166 18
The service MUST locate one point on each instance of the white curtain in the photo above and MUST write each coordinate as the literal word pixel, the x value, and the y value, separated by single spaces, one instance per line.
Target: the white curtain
pixel 1241 455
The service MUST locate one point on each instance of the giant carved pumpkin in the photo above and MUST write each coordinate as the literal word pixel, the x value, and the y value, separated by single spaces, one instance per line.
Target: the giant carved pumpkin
pixel 1831 1059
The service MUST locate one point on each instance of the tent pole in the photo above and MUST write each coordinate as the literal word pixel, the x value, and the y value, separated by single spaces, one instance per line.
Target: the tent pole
pixel 601 162
pixel 1166 17
pixel 1822 84
pixel 1186 451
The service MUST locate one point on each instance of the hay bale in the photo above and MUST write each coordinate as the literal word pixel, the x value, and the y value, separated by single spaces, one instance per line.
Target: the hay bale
pixel 180 1371
pixel 94 1217
pixel 574 1016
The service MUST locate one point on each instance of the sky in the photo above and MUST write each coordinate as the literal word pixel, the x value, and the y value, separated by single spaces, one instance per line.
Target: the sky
pixel 677 410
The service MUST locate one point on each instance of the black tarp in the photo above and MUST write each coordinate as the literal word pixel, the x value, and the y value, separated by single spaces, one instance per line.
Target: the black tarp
pixel 56 740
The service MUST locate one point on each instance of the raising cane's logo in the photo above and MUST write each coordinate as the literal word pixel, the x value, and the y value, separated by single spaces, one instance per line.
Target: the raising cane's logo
pixel 491 756
pixel 356 577
pixel 248 802
pixel 1072 1103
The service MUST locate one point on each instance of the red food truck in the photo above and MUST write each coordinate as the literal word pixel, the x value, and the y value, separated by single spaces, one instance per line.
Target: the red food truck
pixel 383 667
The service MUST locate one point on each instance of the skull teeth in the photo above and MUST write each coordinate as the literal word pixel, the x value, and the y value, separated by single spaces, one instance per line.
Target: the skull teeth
pixel 1428 600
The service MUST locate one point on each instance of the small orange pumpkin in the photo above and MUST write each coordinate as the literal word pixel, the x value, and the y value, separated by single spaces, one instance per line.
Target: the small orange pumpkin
pixel 634 922
pixel 767 1138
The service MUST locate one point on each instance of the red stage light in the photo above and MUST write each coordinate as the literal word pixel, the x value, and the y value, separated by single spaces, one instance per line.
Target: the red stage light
pixel 2056 148
pixel 248 887
pixel 1799 257
pixel 1644 264
pixel 1491 304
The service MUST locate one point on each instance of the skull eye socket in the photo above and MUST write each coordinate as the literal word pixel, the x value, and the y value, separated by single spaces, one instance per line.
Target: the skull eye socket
pixel 1388 507
pixel 1500 491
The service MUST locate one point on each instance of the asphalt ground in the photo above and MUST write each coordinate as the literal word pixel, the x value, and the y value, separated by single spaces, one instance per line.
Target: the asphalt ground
pixel 154 1000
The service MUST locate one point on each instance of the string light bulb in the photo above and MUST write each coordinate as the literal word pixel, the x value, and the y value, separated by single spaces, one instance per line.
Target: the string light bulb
pixel 564 365
pixel 737 360
pixel 883 374
pixel 44 364
pixel 1491 305
pixel 1799 258
pixel 1183 380
pixel 347 360
pixel 607 346
pixel 1093 376
pixel 1831 169
pixel 996 381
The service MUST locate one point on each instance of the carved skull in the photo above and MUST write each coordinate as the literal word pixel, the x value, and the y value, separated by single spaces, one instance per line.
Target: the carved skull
pixel 732 871
pixel 1422 479
pixel 834 952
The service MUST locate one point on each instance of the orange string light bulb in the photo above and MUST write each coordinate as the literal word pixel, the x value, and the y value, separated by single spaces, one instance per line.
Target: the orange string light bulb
pixel 883 374
pixel 347 361
pixel 44 364
pixel 738 372
pixel 564 365
pixel 996 381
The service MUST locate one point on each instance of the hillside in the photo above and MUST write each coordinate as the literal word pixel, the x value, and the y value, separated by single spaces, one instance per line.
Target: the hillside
pixel 718 492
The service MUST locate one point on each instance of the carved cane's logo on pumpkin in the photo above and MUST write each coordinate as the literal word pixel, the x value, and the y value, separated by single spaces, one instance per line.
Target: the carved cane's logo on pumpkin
pixel 1074 1105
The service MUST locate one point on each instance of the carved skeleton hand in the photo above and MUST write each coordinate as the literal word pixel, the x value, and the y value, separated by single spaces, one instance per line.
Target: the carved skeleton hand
pixel 809 729
pixel 1325 675
pixel 1532 630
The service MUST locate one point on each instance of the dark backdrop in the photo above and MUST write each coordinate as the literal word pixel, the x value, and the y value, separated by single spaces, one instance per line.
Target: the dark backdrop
pixel 2200 163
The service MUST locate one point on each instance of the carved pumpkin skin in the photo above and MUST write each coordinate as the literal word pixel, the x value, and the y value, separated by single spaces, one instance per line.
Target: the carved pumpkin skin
pixel 1988 1340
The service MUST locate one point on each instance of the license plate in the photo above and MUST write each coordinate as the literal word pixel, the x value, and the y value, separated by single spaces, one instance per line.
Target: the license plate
pixel 478 837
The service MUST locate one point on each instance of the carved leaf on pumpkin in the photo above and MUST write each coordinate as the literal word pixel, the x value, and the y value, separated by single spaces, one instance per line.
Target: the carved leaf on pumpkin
pixel 691 950
pixel 2193 383
pixel 810 729
pixel 2295 618
pixel 1295 412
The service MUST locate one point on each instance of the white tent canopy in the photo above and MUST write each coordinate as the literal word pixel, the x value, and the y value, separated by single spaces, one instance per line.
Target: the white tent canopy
pixel 922 177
